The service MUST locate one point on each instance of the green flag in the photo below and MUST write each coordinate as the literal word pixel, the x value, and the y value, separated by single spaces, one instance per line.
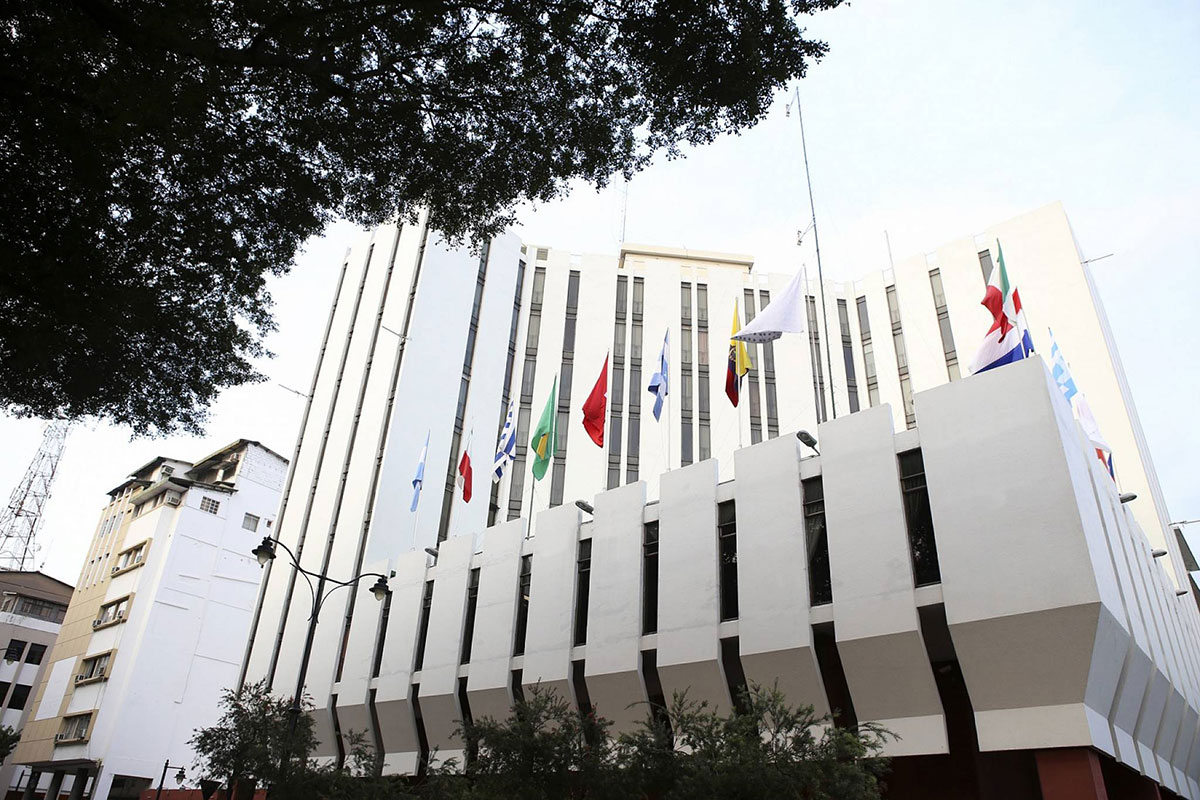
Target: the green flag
pixel 545 438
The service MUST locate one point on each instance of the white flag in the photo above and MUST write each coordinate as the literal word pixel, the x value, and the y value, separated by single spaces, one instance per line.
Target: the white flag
pixel 784 314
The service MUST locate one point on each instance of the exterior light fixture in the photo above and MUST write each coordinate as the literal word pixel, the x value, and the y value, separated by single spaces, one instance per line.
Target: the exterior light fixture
pixel 1126 497
pixel 180 776
pixel 808 440
pixel 585 507
pixel 380 589
pixel 1180 592
pixel 265 551
pixel 432 551
pixel 1158 553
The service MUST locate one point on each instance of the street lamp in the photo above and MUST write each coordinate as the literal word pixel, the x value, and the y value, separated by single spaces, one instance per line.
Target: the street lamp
pixel 808 440
pixel 265 552
pixel 180 777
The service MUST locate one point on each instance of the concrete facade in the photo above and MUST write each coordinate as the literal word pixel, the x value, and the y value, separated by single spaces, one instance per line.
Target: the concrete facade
pixel 32 608
pixel 416 320
pixel 154 633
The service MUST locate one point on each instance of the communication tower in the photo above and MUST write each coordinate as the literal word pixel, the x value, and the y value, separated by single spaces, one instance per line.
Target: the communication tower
pixel 21 518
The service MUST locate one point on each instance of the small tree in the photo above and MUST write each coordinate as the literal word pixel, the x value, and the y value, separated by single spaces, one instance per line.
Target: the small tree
pixel 256 741
pixel 8 741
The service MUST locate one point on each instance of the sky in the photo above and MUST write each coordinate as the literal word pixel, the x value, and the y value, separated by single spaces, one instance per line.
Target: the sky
pixel 930 121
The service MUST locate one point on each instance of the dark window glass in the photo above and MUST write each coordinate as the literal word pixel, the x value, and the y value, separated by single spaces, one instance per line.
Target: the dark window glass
pixel 701 305
pixel 919 518
pixel 635 433
pixel 380 641
pixel 635 341
pixel 36 652
pixel 893 306
pixel 583 567
pixel 539 286
pixel 816 540
pixel 622 295
pixel 469 624
pixel 814 343
pixel 19 696
pixel 523 604
pixel 16 649
pixel 935 283
pixel 619 340
pixel 4 690
pixel 639 293
pixel 864 323
pixel 573 291
pixel 727 554
pixel 985 264
pixel 650 577
pixel 423 625
pixel 617 395
pixel 685 302
pixel 685 442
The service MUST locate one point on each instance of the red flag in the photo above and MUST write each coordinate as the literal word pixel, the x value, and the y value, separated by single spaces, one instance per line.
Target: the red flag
pixel 593 407
pixel 464 476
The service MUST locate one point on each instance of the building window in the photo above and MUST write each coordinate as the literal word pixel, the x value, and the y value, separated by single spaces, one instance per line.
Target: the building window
pixel 985 264
pixel 523 604
pixel 209 505
pixel 19 696
pixel 848 354
pixel 727 555
pixel 685 376
pixel 35 654
pixel 167 471
pixel 131 557
pixel 814 345
pixel 583 568
pixel 16 649
pixel 516 470
pixel 558 475
pixel 943 315
pixel 768 369
pixel 250 522
pixel 423 626
pixel 816 541
pixel 650 578
pixel 910 416
pixel 514 323
pixel 114 612
pixel 75 728
pixel 94 668
pixel 756 418
pixel 919 518
pixel 469 625
pixel 705 451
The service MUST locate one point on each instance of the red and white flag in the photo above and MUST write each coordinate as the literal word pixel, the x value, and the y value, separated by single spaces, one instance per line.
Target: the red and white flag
pixel 464 473
pixel 594 407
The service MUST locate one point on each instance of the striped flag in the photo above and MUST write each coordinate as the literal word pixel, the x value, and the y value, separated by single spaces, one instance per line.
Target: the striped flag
pixel 1008 339
pixel 419 479
pixel 506 449
pixel 739 361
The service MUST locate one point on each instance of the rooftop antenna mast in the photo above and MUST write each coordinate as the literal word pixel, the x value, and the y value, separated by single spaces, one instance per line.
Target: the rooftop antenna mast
pixel 817 244
pixel 22 517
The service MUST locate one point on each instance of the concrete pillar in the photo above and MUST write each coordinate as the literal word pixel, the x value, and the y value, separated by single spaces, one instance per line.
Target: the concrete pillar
pixel 55 785
pixel 1070 773
pixel 78 785
pixel 35 777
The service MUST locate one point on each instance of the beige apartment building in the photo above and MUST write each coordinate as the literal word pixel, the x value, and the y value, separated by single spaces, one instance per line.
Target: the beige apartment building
pixel 157 625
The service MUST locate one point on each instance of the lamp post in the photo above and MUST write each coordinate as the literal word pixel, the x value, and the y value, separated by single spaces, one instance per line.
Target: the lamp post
pixel 179 777
pixel 266 552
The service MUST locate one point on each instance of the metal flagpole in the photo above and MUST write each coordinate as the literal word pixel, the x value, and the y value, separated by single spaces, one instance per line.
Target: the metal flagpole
pixel 532 497
pixel 817 243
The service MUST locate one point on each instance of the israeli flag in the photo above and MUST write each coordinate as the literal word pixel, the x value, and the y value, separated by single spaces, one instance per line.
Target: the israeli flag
pixel 506 449
pixel 419 478
pixel 659 380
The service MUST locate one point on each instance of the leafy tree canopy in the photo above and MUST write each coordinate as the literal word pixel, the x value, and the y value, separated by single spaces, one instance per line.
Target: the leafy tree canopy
pixel 159 160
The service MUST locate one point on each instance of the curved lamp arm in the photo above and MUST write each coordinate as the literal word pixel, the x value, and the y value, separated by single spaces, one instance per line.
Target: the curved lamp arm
pixel 266 552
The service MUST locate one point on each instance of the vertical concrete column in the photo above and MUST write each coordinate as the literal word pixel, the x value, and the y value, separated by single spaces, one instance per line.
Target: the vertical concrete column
pixel 495 620
pixel 55 787
pixel 772 562
pixel 79 784
pixel 874 604
pixel 35 777
pixel 615 611
pixel 393 704
pixel 1070 773
pixel 552 602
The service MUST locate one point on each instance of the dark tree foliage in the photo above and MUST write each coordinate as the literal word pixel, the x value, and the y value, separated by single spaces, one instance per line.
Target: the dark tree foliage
pixel 8 741
pixel 160 159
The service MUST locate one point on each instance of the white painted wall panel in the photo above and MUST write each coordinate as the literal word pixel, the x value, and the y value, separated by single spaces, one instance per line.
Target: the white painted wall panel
pixel 393 701
pixel 488 689
pixel 552 602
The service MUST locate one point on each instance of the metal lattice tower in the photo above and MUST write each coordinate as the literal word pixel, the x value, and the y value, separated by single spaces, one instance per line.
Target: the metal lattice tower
pixel 22 517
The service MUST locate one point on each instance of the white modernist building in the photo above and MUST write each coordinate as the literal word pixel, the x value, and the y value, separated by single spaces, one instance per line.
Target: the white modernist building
pixel 155 630
pixel 424 340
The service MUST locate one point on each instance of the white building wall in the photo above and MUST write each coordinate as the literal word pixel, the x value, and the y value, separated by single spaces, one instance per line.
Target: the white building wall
pixel 375 397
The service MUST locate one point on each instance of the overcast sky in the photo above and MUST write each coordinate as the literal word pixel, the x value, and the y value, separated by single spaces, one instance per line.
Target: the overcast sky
pixel 929 120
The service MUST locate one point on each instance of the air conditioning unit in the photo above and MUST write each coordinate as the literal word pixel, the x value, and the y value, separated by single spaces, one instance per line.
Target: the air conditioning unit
pixel 96 623
pixel 114 570
pixel 80 677
pixel 58 737
pixel 173 499
pixel 120 615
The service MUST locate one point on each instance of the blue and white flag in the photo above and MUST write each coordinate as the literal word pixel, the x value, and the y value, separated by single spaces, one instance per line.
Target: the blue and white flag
pixel 506 449
pixel 1079 404
pixel 419 478
pixel 659 381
